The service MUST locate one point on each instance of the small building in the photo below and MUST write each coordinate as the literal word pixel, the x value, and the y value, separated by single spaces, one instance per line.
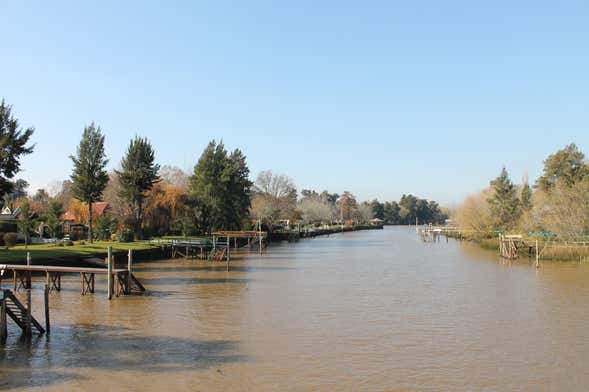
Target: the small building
pixel 73 224
pixel 8 215
pixel 376 222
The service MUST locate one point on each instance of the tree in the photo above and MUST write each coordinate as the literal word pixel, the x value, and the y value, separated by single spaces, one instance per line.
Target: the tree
pixel 13 145
pixel 526 195
pixel 139 173
pixel 315 210
pixel 347 206
pixel 566 165
pixel 106 225
pixel 503 202
pixel 275 197
pixel 89 177
pixel 219 189
pixel 391 213
pixel 377 209
pixel 54 213
pixel 25 221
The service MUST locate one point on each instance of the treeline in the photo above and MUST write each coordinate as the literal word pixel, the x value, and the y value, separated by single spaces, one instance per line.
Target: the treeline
pixel 147 199
pixel 556 206
pixel 409 210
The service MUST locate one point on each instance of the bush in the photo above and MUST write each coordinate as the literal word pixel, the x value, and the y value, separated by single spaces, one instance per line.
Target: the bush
pixel 8 227
pixel 82 243
pixel 10 239
pixel 1 238
pixel 67 243
pixel 125 235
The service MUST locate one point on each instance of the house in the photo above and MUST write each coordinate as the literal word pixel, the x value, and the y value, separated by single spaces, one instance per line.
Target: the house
pixel 8 215
pixel 73 222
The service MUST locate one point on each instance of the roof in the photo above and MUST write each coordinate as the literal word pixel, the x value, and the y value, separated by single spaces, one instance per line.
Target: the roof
pixel 98 209
pixel 376 220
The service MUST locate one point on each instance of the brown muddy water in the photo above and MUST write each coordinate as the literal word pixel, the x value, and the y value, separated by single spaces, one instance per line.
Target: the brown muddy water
pixel 362 311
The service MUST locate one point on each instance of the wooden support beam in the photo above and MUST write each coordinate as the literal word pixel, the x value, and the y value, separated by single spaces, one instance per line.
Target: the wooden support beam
pixel 129 271
pixel 46 300
pixel 3 325
pixel 109 273
pixel 28 323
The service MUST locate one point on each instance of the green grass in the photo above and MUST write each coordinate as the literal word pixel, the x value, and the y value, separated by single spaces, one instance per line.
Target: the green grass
pixel 51 251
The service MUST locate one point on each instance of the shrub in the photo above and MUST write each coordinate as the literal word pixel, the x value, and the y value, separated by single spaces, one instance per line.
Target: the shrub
pixel 125 235
pixel 82 243
pixel 67 243
pixel 10 239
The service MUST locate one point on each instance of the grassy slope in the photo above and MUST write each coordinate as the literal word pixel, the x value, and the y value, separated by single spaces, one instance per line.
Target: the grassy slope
pixel 50 251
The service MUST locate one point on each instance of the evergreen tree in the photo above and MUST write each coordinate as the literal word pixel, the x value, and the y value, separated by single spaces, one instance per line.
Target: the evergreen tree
pixel 377 209
pixel 219 189
pixel 138 175
pixel 503 203
pixel 391 213
pixel 526 195
pixel 13 144
pixel 54 213
pixel 89 177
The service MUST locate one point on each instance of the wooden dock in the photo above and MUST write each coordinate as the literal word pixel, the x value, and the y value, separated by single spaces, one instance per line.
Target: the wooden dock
pixel 119 280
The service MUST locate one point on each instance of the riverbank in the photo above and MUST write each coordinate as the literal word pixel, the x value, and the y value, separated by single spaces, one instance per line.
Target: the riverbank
pixel 80 253
pixel 549 250
pixel 291 236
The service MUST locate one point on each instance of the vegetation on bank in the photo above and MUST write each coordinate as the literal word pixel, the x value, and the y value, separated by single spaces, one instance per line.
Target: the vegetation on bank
pixel 18 253
pixel 555 210
pixel 146 200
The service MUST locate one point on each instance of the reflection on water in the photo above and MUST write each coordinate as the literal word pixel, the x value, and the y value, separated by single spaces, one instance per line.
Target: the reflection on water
pixel 377 310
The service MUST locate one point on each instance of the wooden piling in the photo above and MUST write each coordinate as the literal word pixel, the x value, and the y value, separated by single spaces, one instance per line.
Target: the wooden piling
pixel 228 251
pixel 29 327
pixel 129 270
pixel 109 273
pixel 537 256
pixel 46 298
pixel 3 326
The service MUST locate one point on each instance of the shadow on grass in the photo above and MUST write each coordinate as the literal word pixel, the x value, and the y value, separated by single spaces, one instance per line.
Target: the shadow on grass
pixel 91 346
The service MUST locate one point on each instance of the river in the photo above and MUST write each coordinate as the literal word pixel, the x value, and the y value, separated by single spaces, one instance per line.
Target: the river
pixel 363 311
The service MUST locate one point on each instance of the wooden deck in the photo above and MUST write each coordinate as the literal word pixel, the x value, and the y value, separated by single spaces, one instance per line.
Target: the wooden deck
pixel 122 281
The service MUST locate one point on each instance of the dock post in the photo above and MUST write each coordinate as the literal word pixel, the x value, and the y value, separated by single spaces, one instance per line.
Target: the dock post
pixel 28 283
pixel 109 273
pixel 228 250
pixel 537 256
pixel 3 326
pixel 29 329
pixel 46 298
pixel 129 270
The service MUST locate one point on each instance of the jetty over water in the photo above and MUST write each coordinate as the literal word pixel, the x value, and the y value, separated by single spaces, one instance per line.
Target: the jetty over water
pixel 119 280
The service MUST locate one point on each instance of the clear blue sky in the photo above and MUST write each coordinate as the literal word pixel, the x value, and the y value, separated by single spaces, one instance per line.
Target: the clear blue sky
pixel 379 98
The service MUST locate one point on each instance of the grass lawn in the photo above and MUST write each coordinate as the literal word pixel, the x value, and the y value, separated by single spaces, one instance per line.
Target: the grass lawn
pixel 51 251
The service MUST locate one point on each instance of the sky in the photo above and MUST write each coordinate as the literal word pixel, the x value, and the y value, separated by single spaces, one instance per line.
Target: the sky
pixel 379 98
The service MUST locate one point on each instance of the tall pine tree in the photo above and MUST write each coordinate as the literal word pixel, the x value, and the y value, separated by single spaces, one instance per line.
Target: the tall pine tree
pixel 139 173
pixel 13 144
pixel 219 189
pixel 89 177
pixel 503 202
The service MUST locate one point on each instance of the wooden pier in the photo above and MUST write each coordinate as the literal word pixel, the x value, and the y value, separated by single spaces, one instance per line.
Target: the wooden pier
pixel 119 280
pixel 511 246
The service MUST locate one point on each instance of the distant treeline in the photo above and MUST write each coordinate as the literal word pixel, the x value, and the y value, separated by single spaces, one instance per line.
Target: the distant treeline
pixel 408 210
